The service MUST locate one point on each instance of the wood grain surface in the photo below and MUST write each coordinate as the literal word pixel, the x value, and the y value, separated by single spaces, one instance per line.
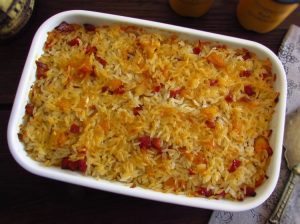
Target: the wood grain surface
pixel 26 198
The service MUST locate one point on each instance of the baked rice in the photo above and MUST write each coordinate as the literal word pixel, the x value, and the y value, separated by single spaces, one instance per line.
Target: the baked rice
pixel 151 109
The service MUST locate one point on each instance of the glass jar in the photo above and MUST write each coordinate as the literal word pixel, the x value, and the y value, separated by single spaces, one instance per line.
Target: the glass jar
pixel 14 14
pixel 191 8
pixel 264 15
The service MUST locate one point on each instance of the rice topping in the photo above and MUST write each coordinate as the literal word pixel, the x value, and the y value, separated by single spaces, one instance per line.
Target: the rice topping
pixel 151 109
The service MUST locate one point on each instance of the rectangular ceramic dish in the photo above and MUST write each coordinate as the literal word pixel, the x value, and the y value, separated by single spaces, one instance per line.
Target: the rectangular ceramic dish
pixel 81 17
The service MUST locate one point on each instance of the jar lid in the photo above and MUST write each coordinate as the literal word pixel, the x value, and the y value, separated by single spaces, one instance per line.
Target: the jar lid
pixel 14 14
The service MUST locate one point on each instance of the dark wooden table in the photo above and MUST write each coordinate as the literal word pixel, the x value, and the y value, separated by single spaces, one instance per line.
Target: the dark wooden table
pixel 26 198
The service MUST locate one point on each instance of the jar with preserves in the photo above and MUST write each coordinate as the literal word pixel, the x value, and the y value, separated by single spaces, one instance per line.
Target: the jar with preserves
pixel 191 8
pixel 263 16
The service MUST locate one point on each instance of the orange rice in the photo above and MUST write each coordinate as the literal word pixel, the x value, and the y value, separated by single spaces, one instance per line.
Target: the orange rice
pixel 150 109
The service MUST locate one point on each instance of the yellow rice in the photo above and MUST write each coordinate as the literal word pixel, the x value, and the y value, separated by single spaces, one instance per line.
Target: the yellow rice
pixel 191 96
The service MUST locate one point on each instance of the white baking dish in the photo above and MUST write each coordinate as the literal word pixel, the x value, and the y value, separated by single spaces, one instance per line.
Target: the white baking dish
pixel 78 16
